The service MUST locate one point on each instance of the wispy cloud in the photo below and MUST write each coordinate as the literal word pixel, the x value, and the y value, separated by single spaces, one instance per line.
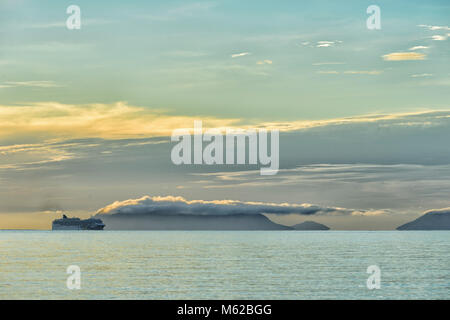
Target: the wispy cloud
pixel 242 54
pixel 328 72
pixel 55 120
pixel 418 48
pixel 391 183
pixel 320 44
pixel 52 120
pixel 325 44
pixel 32 156
pixel 433 28
pixel 37 84
pixel 421 75
pixel 368 72
pixel 439 37
pixel 327 63
pixel 404 56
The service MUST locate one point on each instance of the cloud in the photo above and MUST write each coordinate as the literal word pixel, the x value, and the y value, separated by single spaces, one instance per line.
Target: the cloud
pixel 171 205
pixel 439 37
pixel 434 211
pixel 55 155
pixel 403 56
pixel 36 84
pixel 328 72
pixel 31 156
pixel 384 139
pixel 326 63
pixel 418 48
pixel 326 44
pixel 266 61
pixel 242 54
pixel 329 173
pixel 371 72
pixel 434 28
pixel 49 120
pixel 52 120
pixel 399 187
pixel 320 44
pixel 421 75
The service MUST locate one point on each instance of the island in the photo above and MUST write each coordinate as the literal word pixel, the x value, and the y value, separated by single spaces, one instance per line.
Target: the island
pixel 431 220
pixel 126 221
pixel 310 225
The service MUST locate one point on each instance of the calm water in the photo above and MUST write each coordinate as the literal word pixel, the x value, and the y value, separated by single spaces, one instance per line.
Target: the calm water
pixel 224 265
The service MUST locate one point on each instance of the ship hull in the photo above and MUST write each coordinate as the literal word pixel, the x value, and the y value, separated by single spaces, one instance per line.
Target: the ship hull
pixel 95 228
pixel 77 224
pixel 60 227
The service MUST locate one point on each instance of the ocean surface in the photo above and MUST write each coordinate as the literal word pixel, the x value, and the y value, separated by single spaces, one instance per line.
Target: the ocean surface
pixel 224 265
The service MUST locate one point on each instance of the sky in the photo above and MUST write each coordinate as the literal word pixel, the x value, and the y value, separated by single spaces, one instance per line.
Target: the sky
pixel 86 115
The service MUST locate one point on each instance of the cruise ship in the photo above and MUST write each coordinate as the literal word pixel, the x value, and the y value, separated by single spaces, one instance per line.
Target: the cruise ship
pixel 77 224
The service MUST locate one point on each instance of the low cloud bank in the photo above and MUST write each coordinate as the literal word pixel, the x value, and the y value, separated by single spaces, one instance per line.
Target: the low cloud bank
pixel 171 205
pixel 438 211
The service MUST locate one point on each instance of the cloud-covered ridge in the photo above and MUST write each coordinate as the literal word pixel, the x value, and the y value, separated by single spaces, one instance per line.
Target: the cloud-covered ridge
pixel 438 211
pixel 171 205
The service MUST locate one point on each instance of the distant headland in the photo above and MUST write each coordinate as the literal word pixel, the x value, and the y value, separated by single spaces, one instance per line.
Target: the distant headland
pixel 243 222
pixel 310 225
pixel 431 220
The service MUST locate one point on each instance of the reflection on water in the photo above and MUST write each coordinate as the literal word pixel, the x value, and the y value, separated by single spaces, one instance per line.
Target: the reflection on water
pixel 224 265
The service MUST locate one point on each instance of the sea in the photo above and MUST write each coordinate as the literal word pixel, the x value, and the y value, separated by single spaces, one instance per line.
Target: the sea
pixel 224 265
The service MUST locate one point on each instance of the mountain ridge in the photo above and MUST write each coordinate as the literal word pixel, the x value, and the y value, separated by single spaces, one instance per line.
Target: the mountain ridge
pixel 431 220
pixel 120 221
pixel 310 225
